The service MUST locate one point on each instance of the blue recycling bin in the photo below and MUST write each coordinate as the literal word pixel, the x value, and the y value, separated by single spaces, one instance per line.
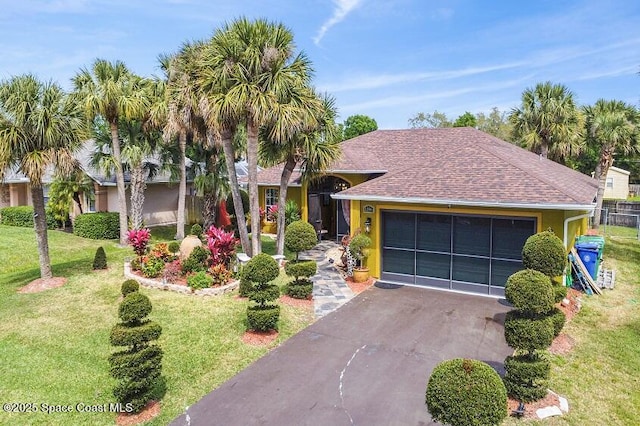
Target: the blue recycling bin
pixel 589 252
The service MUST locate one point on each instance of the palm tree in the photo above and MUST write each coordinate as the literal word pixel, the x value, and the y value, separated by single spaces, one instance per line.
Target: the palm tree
pixel 614 127
pixel 112 92
pixel 548 121
pixel 248 69
pixel 313 147
pixel 39 128
pixel 183 119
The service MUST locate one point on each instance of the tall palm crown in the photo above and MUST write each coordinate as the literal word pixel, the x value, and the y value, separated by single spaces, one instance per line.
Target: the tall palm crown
pixel 39 128
pixel 613 127
pixel 112 92
pixel 548 121
pixel 248 68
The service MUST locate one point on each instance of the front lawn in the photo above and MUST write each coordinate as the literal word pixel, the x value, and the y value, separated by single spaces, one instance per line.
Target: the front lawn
pixel 54 344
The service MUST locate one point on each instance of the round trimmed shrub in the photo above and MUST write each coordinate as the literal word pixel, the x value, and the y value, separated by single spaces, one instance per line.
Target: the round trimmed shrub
pixel 134 307
pixel 530 291
pixel 129 286
pixel 100 259
pixel 545 253
pixel 466 392
pixel 301 268
pixel 196 229
pixel 300 289
pixel 299 236
pixel 174 247
pixel 97 226
pixel 262 268
pixel 197 260
pixel 526 378
pixel 524 332
pixel 559 319
pixel 263 318
pixel 559 292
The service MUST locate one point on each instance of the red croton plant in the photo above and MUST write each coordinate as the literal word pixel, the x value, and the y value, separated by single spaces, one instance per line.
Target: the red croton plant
pixel 139 239
pixel 222 246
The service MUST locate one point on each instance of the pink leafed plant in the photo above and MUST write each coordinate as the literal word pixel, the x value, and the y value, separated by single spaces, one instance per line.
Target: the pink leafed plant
pixel 139 239
pixel 272 214
pixel 222 246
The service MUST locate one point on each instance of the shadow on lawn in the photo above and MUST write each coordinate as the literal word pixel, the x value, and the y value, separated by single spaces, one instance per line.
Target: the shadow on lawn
pixel 66 269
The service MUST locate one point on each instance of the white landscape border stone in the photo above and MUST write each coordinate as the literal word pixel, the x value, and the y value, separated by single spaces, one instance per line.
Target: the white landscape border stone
pixel 159 285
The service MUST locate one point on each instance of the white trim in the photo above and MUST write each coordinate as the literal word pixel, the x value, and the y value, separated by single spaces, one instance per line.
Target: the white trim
pixel 619 170
pixel 415 200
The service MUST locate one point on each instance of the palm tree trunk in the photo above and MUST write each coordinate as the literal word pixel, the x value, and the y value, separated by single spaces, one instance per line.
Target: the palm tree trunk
pixel 209 210
pixel 544 150
pixel 138 186
pixel 252 166
pixel 122 197
pixel 182 189
pixel 606 159
pixel 227 146
pixel 76 198
pixel 40 226
pixel 287 171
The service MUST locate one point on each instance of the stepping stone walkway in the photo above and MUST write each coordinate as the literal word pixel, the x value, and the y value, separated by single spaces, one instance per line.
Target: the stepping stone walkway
pixel 330 291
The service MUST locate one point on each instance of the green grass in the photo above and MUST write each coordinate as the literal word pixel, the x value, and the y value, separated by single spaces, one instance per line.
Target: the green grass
pixel 54 344
pixel 620 231
pixel 600 376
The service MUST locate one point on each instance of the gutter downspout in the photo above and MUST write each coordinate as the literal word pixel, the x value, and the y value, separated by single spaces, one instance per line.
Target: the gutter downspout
pixel 565 238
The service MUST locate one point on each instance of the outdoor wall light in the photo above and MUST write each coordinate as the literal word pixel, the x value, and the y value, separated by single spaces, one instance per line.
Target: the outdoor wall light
pixel 367 225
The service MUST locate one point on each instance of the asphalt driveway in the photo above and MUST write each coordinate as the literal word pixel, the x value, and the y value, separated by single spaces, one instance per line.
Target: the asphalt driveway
pixel 365 364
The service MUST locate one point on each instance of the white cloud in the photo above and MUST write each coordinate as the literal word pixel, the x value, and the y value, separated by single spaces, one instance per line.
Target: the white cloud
pixel 343 7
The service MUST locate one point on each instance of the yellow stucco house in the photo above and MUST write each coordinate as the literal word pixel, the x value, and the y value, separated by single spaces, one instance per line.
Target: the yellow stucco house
pixel 445 208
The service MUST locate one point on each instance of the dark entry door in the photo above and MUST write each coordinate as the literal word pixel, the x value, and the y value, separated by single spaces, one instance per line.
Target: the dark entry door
pixel 315 211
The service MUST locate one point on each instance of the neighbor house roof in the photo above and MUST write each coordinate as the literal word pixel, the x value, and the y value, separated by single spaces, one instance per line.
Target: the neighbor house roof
pixel 454 166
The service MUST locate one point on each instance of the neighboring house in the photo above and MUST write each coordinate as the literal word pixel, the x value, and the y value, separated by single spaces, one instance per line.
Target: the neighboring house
pixel 617 186
pixel 446 208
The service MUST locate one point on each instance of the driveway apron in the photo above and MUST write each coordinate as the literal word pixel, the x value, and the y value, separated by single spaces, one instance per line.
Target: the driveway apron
pixel 367 363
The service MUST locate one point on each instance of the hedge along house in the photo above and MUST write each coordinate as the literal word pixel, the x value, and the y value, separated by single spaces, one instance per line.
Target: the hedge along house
pixel 445 208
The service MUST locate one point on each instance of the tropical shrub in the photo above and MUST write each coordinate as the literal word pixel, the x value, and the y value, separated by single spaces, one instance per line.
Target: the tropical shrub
pixel 97 226
pixel 129 286
pixel 545 253
pixel 291 212
pixel 261 270
pixel 100 259
pixel 222 246
pixel 466 392
pixel 151 266
pixel 299 236
pixel 197 260
pixel 272 213
pixel 139 239
pixel 22 216
pixel 220 275
pixel 172 271
pixel 161 250
pixel 137 368
pixel 199 280
pixel 135 264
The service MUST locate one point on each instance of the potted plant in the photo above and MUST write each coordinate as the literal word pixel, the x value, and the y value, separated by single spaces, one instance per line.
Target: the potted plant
pixel 359 248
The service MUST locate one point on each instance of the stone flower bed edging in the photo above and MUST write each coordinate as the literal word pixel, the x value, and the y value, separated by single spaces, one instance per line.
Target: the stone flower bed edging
pixel 151 283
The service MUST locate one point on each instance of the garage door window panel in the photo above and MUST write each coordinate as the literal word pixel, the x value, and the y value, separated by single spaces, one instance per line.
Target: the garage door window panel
pixel 434 233
pixel 503 269
pixel 472 235
pixel 433 265
pixel 471 269
pixel 509 236
pixel 399 261
pixel 400 230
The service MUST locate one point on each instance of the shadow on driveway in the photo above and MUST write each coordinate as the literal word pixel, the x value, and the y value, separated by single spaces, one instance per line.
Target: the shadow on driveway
pixel 367 363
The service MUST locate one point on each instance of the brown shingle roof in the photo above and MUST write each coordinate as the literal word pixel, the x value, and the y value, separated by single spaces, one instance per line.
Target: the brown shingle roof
pixel 455 165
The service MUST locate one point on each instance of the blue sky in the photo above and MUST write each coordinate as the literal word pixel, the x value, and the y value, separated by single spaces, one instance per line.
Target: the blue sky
pixel 386 59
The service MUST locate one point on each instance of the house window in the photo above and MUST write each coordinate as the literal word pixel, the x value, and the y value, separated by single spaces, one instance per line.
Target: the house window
pixel 610 183
pixel 270 201
pixel 90 201
pixel 45 192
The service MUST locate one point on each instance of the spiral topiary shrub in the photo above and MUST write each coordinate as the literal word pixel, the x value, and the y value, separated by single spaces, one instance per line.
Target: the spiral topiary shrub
pixel 301 287
pixel 138 367
pixel 100 259
pixel 261 270
pixel 466 392
pixel 530 291
pixel 300 236
pixel 559 319
pixel 545 253
pixel 129 286
pixel 526 377
pixel 245 287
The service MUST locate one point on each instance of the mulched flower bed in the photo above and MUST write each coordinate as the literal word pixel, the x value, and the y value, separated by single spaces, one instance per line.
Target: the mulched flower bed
pixel 296 303
pixel 358 288
pixel 531 407
pixel 41 284
pixel 259 338
pixel 151 410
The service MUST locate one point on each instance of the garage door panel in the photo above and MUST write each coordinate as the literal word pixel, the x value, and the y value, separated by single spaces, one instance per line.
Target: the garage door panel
pixel 471 269
pixel 509 235
pixel 399 261
pixel 433 265
pixel 434 233
pixel 400 230
pixel 503 269
pixel 472 235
